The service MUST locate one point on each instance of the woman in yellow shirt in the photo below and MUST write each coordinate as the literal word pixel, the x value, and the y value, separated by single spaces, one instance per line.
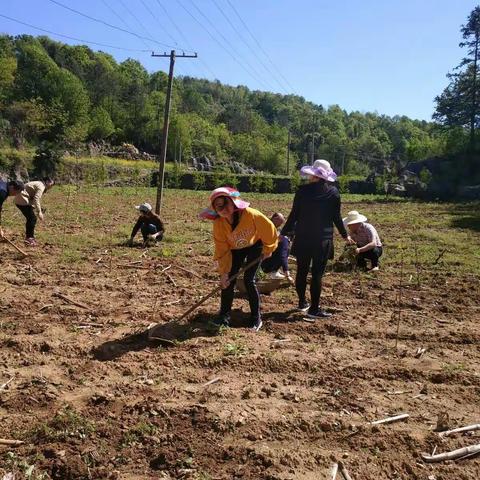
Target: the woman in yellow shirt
pixel 241 234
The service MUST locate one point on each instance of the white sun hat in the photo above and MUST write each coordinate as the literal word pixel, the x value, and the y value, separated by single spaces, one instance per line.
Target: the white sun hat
pixel 354 217
pixel 144 207
pixel 321 169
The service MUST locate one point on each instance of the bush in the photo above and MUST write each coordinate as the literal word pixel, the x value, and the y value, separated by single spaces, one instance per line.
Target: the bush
pixel 295 181
pixel 221 179
pixel 199 181
pixel 46 160
pixel 261 183
pixel 343 184
pixel 174 178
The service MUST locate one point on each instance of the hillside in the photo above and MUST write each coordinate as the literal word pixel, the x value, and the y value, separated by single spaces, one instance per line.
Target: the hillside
pixel 72 94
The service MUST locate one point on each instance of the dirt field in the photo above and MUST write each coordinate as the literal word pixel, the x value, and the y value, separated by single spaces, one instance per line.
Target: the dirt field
pixel 93 399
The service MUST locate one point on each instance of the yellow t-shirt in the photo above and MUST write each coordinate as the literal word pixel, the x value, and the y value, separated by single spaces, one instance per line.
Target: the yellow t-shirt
pixel 252 226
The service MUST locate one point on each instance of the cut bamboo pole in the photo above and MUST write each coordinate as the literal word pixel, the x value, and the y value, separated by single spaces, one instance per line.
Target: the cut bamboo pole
pixel 333 471
pixel 453 455
pixel 344 471
pixel 468 428
pixel 12 443
pixel 397 418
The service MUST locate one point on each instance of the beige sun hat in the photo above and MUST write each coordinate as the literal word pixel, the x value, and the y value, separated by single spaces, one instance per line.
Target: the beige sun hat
pixel 354 217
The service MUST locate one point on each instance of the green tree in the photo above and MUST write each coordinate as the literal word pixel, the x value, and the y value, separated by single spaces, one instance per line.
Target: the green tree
pixel 458 105
pixel 101 125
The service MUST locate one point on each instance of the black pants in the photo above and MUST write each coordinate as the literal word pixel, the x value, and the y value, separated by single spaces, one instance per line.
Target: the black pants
pixel 238 258
pixel 373 255
pixel 317 256
pixel 29 214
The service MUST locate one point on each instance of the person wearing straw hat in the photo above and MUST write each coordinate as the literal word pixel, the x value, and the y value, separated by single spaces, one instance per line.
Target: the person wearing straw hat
pixel 369 246
pixel 241 234
pixel 316 208
pixel 149 223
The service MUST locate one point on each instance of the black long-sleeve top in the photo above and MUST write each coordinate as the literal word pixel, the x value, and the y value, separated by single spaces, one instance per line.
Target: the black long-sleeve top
pixel 152 218
pixel 316 208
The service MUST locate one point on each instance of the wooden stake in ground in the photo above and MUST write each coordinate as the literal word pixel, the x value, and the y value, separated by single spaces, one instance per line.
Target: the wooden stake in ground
pixel 399 300
pixel 14 246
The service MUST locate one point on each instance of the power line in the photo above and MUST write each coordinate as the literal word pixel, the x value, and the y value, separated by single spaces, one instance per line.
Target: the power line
pixel 185 38
pixel 149 10
pixel 103 22
pixel 221 44
pixel 259 76
pixel 72 38
pixel 122 20
pixel 260 46
pixel 249 47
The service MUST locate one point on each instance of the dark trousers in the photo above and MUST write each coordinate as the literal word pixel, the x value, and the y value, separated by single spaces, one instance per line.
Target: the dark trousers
pixel 29 214
pixel 373 255
pixel 239 257
pixel 149 229
pixel 271 264
pixel 317 256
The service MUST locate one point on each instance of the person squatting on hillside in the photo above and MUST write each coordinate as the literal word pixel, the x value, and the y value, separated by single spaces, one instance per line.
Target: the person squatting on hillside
pixel 149 224
pixel 316 207
pixel 8 189
pixel 367 239
pixel 241 234
pixel 279 258
pixel 28 202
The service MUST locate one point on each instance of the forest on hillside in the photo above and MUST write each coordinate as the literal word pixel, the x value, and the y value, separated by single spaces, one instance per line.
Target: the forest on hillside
pixel 50 91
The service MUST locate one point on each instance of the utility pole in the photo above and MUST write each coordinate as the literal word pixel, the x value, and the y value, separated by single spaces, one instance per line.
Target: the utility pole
pixel 166 120
pixel 288 154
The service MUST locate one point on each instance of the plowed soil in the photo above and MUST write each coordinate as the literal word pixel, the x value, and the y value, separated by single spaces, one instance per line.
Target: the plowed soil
pixel 93 398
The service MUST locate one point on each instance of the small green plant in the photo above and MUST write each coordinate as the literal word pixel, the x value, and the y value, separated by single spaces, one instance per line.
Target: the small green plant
pixel 234 349
pixel 67 423
pixel 138 432
pixel 26 467
pixel 453 367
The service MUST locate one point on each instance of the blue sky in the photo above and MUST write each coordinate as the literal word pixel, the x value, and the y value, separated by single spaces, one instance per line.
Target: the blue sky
pixel 389 56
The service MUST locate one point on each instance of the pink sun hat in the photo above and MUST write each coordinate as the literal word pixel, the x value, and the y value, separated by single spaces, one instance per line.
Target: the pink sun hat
pixel 232 193
pixel 320 169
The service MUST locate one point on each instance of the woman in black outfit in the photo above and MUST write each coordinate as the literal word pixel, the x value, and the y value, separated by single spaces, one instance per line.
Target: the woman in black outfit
pixel 316 207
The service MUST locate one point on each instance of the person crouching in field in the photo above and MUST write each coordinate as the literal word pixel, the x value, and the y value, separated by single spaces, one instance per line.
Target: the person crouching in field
pixel 149 224
pixel 279 258
pixel 369 246
pixel 8 189
pixel 28 201
pixel 241 234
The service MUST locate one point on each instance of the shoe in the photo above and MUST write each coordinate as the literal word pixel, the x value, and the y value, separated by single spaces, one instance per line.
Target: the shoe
pixel 276 276
pixel 257 324
pixel 375 269
pixel 303 306
pixel 30 242
pixel 318 314
pixel 222 320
